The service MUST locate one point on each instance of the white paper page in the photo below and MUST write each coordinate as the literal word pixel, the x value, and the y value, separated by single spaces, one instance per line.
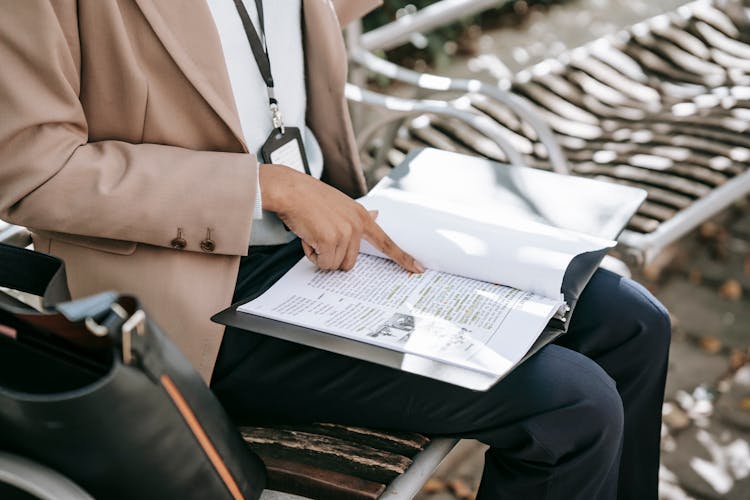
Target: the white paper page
pixel 515 193
pixel 455 320
pixel 446 237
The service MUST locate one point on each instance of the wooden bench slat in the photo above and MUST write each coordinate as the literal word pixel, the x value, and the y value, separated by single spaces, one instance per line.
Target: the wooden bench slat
pixel 326 452
pixel 469 137
pixel 558 105
pixel 679 154
pixel 395 157
pixel 652 161
pixel 309 481
pixel 401 443
pixel 502 115
pixel 406 144
pixel 429 136
pixel 659 179
pixel 643 224
pixel 598 102
pixel 662 196
pixel 434 138
pixel 656 211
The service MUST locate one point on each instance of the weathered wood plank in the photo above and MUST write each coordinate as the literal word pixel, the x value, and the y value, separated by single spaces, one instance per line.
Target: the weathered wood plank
pixel 575 93
pixel 650 161
pixel 679 155
pixel 683 39
pixel 401 443
pixel 601 71
pixel 658 179
pixel 407 143
pixel 468 136
pixel 558 105
pixel 656 211
pixel 565 126
pixel 313 482
pixel 643 224
pixel 719 41
pixel 395 157
pixel 326 452
pixel 726 132
pixel 434 138
pixel 502 115
pixel 687 66
pixel 662 196
pixel 601 91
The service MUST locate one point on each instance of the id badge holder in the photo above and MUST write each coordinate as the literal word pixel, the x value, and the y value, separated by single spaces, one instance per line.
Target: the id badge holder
pixel 284 147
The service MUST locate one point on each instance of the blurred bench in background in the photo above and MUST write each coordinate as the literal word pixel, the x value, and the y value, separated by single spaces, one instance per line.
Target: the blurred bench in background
pixel 663 105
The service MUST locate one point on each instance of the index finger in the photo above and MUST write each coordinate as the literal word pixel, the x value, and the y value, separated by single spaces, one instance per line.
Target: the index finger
pixel 377 237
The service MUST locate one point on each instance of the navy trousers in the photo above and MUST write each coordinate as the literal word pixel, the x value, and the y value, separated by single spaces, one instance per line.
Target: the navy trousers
pixel 579 420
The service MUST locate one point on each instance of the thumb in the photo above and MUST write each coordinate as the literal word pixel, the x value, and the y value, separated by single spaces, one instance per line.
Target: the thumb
pixel 374 214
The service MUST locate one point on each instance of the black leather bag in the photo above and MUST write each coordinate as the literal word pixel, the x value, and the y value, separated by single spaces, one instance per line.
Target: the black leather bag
pixel 93 389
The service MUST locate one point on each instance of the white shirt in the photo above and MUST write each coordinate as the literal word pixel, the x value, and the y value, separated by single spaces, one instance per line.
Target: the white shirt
pixel 284 42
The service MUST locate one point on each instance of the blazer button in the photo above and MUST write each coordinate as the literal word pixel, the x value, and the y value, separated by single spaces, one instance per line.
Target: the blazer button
pixel 178 243
pixel 208 245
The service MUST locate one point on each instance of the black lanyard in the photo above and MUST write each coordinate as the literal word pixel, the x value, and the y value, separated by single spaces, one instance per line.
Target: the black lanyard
pixel 260 52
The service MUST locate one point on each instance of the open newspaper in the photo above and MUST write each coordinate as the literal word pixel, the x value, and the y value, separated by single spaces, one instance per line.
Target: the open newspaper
pixel 508 250
pixel 494 279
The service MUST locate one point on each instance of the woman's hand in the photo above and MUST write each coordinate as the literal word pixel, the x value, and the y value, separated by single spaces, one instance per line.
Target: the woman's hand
pixel 330 224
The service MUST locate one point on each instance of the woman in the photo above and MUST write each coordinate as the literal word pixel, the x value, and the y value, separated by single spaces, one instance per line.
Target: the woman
pixel 133 143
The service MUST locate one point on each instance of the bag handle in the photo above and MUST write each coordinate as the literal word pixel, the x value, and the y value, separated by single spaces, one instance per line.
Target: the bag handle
pixel 35 273
pixel 91 322
pixel 43 275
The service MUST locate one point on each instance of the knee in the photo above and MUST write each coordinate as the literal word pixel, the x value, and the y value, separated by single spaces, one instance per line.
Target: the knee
pixel 598 415
pixel 603 415
pixel 588 416
pixel 652 320
pixel 629 312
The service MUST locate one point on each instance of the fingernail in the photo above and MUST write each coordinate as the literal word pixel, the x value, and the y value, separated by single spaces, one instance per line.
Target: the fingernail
pixel 374 214
pixel 419 266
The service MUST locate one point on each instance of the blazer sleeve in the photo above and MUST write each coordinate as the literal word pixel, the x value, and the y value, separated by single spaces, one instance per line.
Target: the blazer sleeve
pixel 351 10
pixel 52 178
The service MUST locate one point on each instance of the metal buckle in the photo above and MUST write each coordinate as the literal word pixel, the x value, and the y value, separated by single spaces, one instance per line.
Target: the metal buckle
pixel 100 330
pixel 278 121
pixel 137 323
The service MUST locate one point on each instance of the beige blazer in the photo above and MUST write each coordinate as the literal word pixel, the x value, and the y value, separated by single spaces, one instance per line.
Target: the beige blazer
pixel 119 138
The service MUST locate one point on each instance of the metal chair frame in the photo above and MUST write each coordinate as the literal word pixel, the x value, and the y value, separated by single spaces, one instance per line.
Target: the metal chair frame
pixel 38 480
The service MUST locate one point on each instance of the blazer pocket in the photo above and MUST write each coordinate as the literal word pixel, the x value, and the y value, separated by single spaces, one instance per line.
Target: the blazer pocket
pixel 101 244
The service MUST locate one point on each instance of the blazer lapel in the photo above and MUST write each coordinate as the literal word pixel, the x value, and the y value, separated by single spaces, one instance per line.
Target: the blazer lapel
pixel 327 111
pixel 187 31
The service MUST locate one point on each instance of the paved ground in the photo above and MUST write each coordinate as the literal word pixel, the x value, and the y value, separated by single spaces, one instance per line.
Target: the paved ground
pixel 704 281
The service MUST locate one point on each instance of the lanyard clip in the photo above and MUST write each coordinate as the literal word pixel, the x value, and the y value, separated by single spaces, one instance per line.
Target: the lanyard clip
pixel 278 122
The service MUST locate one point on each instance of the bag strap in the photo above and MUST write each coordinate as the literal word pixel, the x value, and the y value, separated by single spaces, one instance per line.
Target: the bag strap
pixel 33 272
